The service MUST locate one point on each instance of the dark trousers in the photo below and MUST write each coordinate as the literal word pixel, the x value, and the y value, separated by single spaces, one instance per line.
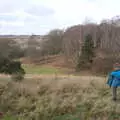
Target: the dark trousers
pixel 114 92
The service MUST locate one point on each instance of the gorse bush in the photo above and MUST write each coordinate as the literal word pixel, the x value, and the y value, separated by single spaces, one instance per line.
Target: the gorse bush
pixel 13 68
pixel 68 101
pixel 10 50
pixel 18 76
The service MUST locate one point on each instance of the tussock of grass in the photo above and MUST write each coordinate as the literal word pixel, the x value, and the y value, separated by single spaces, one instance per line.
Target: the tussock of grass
pixel 58 100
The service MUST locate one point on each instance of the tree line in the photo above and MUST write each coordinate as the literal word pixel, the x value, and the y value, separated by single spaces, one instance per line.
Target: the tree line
pixel 86 45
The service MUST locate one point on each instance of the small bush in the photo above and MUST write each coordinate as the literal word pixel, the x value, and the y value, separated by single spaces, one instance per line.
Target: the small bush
pixel 102 65
pixel 17 77
pixel 13 68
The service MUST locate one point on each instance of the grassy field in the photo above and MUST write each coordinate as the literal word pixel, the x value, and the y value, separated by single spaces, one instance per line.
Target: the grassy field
pixel 59 98
pixel 32 69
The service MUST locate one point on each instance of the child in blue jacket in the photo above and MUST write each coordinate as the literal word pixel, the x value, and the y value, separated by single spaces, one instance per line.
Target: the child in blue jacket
pixel 114 80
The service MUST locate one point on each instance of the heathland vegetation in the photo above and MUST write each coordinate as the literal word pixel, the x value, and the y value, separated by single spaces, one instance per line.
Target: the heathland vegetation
pixel 54 78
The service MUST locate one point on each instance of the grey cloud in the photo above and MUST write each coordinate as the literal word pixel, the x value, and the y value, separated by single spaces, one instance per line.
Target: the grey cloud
pixel 37 20
pixel 8 6
pixel 39 10
pixel 40 25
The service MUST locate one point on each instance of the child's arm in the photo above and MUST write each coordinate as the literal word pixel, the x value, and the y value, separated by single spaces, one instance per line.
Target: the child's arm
pixel 110 79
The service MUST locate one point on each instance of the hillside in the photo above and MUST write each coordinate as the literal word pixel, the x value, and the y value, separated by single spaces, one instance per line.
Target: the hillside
pixel 105 37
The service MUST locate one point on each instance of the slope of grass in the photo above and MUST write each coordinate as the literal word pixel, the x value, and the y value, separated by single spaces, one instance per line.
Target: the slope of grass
pixel 59 100
pixel 32 69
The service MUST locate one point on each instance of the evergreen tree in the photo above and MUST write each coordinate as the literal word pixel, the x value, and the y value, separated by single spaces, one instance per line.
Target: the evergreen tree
pixel 87 53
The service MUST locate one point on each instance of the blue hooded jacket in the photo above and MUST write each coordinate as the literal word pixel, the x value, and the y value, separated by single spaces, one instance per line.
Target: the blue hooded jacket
pixel 114 79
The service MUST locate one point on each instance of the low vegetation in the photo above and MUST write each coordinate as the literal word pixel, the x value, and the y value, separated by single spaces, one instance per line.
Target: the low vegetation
pixel 58 99
pixel 34 69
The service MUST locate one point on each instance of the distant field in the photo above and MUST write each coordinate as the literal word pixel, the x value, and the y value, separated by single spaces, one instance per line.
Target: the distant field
pixel 33 69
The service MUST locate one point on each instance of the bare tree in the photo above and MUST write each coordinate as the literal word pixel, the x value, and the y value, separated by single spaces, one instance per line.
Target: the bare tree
pixel 53 44
pixel 33 47
pixel 10 49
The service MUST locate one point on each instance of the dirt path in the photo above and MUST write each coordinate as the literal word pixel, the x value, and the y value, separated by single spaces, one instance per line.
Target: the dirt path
pixel 83 79
pixel 54 75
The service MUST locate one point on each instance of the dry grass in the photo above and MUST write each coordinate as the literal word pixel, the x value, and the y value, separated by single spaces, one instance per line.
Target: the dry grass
pixel 59 98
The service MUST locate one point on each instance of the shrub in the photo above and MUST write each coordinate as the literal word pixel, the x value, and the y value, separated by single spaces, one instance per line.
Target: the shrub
pixel 102 65
pixel 17 76
pixel 13 68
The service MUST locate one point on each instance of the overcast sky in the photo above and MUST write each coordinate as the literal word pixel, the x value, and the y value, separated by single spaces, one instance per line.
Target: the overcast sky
pixel 40 16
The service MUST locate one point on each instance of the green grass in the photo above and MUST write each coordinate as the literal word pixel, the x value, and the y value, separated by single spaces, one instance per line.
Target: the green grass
pixel 8 118
pixel 32 69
